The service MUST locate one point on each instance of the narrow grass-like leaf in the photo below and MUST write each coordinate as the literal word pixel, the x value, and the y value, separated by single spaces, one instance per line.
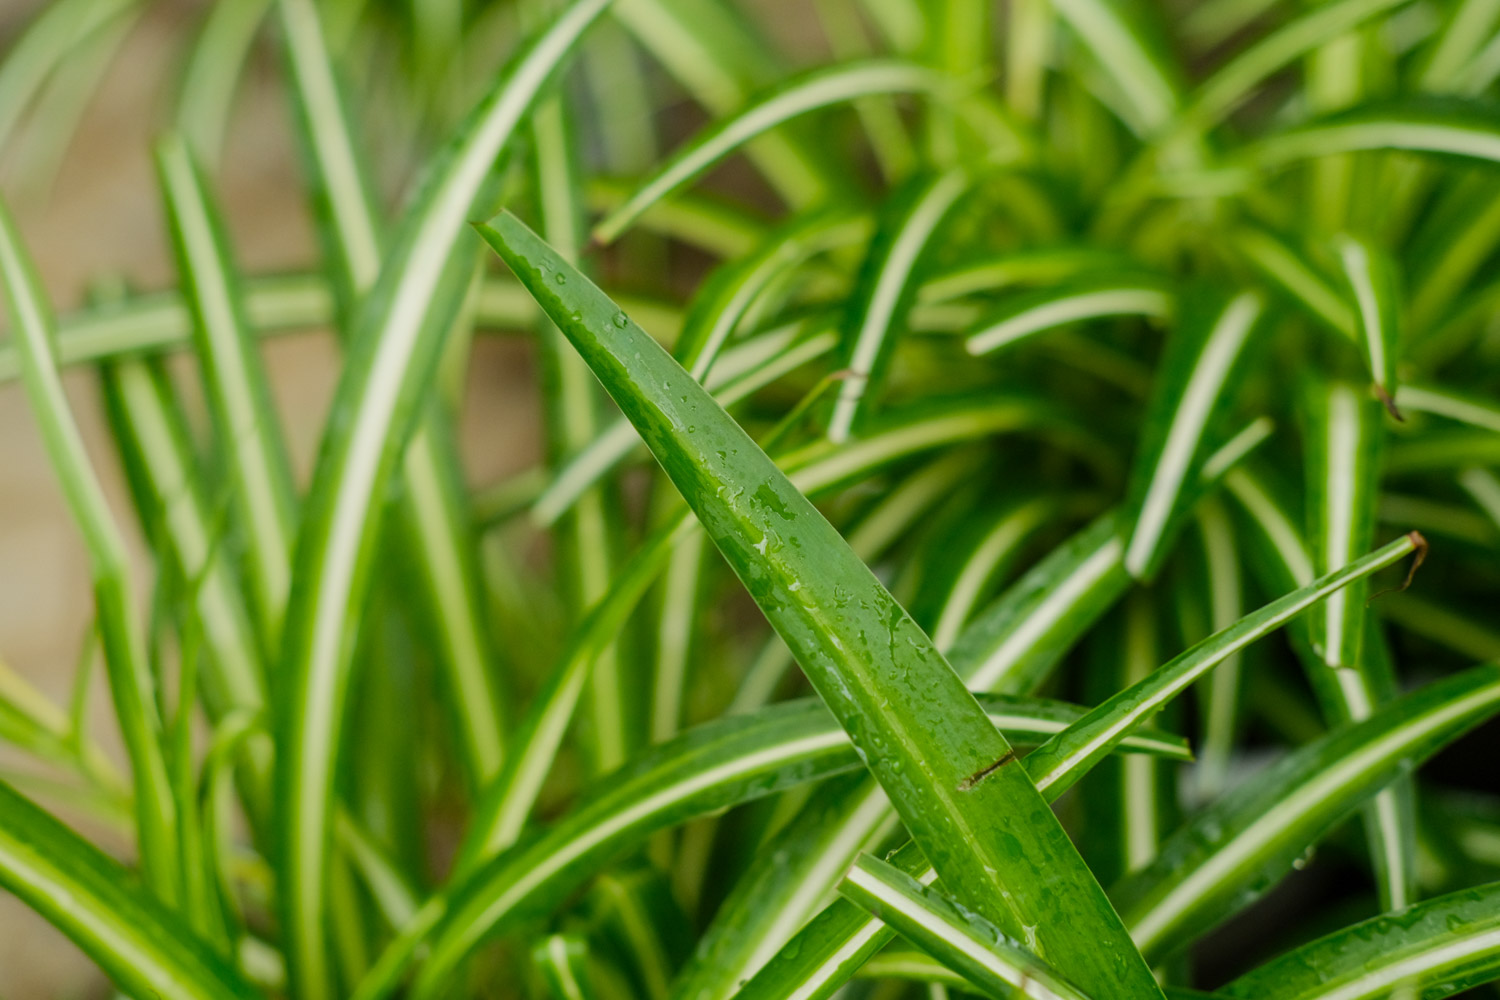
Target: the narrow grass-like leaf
pixel 704 770
pixel 1236 80
pixel 151 433
pixel 562 960
pixel 1232 850
pixel 132 685
pixel 958 938
pixel 1105 724
pixel 819 89
pixel 1472 410
pixel 1343 456
pixel 213 72
pixel 143 948
pixel 720 62
pixel 1343 450
pixel 1188 392
pixel 1298 277
pixel 47 41
pixel 1002 537
pixel 935 762
pixel 508 801
pixel 1371 278
pixel 1435 948
pixel 433 506
pixel 774 353
pixel 1145 87
pixel 1462 132
pixel 392 354
pixel 887 287
pixel 237 388
pixel 1073 302
pixel 788 880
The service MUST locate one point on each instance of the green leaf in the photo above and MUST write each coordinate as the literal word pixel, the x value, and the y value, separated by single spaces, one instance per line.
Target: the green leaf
pixel 1231 851
pixel 818 89
pixel 886 289
pixel 132 685
pixel 239 394
pixel 1237 79
pixel 1435 948
pixel 1097 733
pixel 1371 277
pixel 1084 299
pixel 1188 391
pixel 939 759
pixel 1462 131
pixel 433 507
pixel 562 960
pixel 705 769
pixel 393 351
pixel 960 939
pixel 144 949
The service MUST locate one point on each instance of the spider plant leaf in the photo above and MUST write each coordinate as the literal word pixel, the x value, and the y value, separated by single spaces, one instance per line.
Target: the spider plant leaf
pixel 887 288
pixel 47 41
pixel 206 94
pixel 1371 278
pixel 1230 851
pixel 508 801
pixel 1237 79
pixel 1143 83
pixel 996 272
pixel 706 769
pixel 1343 462
pixel 704 221
pixel 393 351
pixel 1012 644
pixel 1437 947
pixel 815 90
pixel 590 535
pixel 938 770
pixel 1098 731
pixel 1460 131
pixel 787 882
pixel 1189 390
pixel 1298 277
pixel 562 961
pixel 745 369
pixel 1343 449
pixel 960 939
pixel 721 62
pixel 144 949
pixel 236 386
pixel 1476 411
pixel 1000 539
pixel 152 436
pixel 433 506
pixel 729 294
pixel 1083 299
pixel 132 685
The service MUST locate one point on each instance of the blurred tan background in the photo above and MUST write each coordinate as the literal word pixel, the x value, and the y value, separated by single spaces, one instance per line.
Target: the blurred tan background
pixel 100 215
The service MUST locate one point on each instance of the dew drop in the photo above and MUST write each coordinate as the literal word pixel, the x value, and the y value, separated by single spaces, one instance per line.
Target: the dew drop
pixel 621 321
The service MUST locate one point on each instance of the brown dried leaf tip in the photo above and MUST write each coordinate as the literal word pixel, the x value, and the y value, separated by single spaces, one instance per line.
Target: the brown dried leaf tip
pixel 1419 553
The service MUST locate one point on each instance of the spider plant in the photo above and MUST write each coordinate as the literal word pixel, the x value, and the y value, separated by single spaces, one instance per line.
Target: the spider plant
pixel 988 453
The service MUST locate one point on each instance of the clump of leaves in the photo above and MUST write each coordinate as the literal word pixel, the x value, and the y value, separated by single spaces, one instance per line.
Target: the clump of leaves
pixel 1032 357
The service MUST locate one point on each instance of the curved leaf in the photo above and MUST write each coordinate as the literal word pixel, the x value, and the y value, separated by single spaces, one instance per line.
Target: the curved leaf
pixel 903 705
pixel 818 89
